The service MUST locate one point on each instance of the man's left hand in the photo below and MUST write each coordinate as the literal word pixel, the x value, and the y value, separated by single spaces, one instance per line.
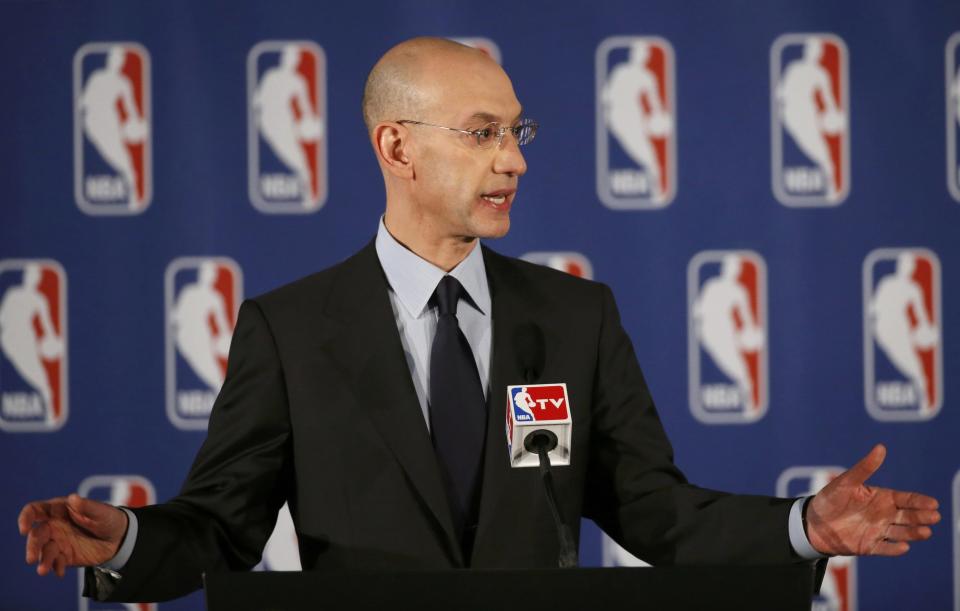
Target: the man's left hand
pixel 849 518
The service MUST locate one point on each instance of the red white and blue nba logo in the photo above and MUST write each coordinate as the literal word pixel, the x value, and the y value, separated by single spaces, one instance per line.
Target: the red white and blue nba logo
pixel 953 115
pixel 539 402
pixel 810 120
pixel 33 345
pixel 636 123
pixel 202 300
pixel 286 92
pixel 112 125
pixel 902 331
pixel 727 297
pixel 573 263
pixel 483 44
pixel 839 589
pixel 118 490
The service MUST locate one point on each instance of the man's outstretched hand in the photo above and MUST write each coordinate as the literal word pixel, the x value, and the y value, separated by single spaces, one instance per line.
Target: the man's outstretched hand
pixel 70 531
pixel 849 518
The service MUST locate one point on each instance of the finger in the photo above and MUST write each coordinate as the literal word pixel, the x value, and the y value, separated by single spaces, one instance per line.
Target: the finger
pixel 32 512
pixel 890 548
pixel 60 566
pixel 916 517
pixel 37 538
pixel 908 533
pixel 47 555
pixel 867 466
pixel 914 500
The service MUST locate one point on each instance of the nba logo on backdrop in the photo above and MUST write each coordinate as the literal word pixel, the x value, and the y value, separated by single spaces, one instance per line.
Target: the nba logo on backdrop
pixel 112 125
pixel 839 589
pixel 202 300
pixel 902 332
pixel 118 490
pixel 286 88
pixel 33 345
pixel 953 115
pixel 727 309
pixel 573 263
pixel 636 123
pixel 483 44
pixel 810 120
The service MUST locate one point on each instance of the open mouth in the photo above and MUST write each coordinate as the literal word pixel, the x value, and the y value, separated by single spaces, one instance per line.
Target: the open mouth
pixel 499 199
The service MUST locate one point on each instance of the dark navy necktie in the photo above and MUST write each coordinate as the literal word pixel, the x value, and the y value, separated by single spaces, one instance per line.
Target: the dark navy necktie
pixel 457 411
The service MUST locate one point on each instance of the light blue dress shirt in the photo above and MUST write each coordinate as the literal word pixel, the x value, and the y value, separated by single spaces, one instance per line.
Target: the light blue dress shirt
pixel 412 282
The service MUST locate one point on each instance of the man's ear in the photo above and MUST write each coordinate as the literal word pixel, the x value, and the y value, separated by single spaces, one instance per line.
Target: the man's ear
pixel 390 143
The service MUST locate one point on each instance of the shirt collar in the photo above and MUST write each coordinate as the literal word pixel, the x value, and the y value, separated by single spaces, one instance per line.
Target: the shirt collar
pixel 414 279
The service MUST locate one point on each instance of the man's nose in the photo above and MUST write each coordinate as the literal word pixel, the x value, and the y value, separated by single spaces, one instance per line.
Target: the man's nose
pixel 509 159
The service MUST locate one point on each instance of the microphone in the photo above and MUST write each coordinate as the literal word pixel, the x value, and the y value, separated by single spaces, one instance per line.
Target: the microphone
pixel 531 354
pixel 539 427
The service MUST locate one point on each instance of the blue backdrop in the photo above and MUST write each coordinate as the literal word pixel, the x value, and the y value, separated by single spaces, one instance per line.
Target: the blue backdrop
pixel 800 157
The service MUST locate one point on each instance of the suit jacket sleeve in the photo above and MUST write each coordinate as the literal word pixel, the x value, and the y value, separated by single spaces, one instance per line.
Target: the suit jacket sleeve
pixel 638 496
pixel 228 506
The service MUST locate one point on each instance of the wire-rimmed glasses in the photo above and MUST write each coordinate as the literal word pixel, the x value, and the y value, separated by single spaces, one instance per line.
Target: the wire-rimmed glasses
pixel 523 131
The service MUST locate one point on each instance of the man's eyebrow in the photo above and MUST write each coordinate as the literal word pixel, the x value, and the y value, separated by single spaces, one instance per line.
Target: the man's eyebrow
pixel 484 116
pixel 490 118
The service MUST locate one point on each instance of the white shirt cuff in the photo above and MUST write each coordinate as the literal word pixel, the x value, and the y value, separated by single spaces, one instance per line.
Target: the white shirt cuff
pixel 126 548
pixel 798 537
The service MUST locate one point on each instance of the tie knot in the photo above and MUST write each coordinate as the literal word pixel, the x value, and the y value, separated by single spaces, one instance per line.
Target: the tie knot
pixel 448 294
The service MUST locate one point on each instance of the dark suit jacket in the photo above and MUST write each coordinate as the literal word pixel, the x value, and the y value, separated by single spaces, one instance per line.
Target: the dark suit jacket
pixel 319 408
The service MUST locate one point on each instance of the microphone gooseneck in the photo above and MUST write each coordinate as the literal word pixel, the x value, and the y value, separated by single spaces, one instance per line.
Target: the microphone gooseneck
pixel 540 442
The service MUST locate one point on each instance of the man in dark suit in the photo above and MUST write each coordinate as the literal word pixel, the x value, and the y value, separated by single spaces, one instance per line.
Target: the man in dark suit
pixel 369 397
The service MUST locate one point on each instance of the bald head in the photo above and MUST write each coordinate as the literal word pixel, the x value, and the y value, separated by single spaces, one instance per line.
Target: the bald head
pixel 399 86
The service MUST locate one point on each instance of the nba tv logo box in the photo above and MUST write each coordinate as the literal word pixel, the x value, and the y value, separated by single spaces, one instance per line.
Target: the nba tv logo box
pixel 534 407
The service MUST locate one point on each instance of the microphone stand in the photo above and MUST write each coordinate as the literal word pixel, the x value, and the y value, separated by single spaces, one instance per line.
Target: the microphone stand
pixel 540 442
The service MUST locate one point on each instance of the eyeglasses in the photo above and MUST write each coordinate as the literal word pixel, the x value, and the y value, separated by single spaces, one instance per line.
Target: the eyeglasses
pixel 523 131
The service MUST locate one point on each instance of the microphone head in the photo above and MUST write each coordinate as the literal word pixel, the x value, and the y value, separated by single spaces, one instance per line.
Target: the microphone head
pixel 541 438
pixel 530 349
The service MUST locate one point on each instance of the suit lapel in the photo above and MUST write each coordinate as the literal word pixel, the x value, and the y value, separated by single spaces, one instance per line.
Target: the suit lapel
pixel 514 305
pixel 369 350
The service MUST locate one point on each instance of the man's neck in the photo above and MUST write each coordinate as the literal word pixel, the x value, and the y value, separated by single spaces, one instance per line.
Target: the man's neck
pixel 445 252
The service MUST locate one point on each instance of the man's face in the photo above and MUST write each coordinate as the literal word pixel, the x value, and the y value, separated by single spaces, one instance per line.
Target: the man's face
pixel 460 189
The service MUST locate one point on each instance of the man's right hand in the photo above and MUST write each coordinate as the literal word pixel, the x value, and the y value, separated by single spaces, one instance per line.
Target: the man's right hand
pixel 71 531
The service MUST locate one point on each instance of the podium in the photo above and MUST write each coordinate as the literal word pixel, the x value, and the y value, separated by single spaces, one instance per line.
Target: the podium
pixel 763 588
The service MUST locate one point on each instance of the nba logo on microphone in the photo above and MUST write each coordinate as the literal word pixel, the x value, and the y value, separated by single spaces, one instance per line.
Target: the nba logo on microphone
pixel 810 120
pixel 112 128
pixel 485 45
pixel 636 123
pixel 287 124
pixel 839 589
pixel 118 490
pixel 202 300
pixel 902 334
pixel 573 263
pixel 727 335
pixel 33 345
pixel 953 115
pixel 533 407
